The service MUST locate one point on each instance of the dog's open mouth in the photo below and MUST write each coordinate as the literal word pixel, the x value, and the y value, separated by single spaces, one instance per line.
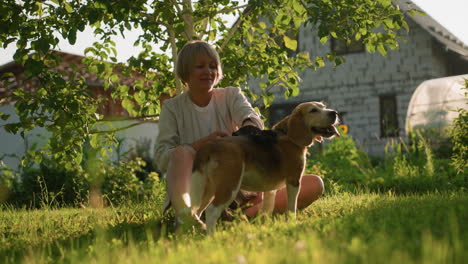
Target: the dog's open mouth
pixel 326 132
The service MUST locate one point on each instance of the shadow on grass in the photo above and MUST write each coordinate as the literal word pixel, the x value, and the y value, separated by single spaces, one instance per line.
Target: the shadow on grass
pixel 123 233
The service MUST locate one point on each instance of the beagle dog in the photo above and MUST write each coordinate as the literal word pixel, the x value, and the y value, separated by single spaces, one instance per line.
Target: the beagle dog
pixel 228 164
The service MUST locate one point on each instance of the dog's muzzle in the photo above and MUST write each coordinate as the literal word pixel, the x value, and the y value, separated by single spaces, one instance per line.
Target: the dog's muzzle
pixel 326 132
pixel 330 131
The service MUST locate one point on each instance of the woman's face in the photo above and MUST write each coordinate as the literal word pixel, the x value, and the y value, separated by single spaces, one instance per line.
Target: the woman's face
pixel 203 75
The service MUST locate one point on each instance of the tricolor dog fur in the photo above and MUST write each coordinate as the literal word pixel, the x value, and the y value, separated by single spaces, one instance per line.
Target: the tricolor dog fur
pixel 228 164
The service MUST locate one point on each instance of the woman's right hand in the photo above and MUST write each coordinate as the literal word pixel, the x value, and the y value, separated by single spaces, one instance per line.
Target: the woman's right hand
pixel 215 135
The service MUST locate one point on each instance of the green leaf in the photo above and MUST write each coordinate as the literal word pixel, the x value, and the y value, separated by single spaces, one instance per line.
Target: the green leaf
pixel 7 42
pixel 405 26
pixel 295 90
pixel 12 128
pixel 123 89
pixel 382 49
pixel 72 36
pixel 4 116
pixel 268 99
pixel 114 78
pixel 385 3
pixel 140 97
pixel 250 36
pixel 39 8
pixel 298 7
pixel 94 141
pixel 127 104
pixel 34 67
pixel 323 40
pixel 358 36
pixel 370 47
pixel 68 7
pixel 319 62
pixel 42 92
pixel 389 23
pixel 290 43
pixel 42 44
pixel 37 158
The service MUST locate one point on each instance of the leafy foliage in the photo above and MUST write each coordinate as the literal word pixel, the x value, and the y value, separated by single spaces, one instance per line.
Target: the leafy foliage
pixel 260 44
pixel 343 162
pixel 407 168
pixel 459 138
pixel 50 185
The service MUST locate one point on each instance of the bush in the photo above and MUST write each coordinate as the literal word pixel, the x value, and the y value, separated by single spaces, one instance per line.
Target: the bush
pixel 122 183
pixel 341 161
pixel 51 185
pixel 406 168
pixel 6 182
pixel 459 137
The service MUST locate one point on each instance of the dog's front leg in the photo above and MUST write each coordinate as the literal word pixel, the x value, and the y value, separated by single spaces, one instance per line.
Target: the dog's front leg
pixel 212 214
pixel 268 202
pixel 293 191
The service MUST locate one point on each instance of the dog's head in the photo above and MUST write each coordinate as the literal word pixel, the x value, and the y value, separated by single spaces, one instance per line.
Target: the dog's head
pixel 308 122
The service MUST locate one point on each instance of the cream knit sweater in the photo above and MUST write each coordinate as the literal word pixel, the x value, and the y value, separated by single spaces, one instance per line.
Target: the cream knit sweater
pixel 178 124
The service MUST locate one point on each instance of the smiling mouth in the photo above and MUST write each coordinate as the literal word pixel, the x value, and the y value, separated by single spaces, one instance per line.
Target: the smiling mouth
pixel 326 132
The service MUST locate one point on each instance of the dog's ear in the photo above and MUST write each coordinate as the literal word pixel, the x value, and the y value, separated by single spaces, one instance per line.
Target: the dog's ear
pixel 298 131
pixel 282 126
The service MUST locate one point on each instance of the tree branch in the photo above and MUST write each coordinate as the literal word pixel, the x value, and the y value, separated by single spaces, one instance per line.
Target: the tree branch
pixel 273 85
pixel 129 118
pixel 121 128
pixel 229 10
pixel 187 15
pixel 224 11
pixel 236 25
pixel 172 38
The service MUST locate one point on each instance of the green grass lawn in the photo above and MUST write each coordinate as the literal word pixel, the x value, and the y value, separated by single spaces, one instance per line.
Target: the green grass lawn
pixel 339 228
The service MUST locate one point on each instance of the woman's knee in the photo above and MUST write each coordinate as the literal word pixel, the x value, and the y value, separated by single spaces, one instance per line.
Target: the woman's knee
pixel 312 188
pixel 314 183
pixel 180 164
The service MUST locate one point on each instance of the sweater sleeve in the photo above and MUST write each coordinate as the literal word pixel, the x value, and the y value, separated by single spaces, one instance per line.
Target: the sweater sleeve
pixel 241 109
pixel 168 137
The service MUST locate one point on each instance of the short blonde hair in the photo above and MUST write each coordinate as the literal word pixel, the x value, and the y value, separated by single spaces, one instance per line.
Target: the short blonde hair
pixel 187 56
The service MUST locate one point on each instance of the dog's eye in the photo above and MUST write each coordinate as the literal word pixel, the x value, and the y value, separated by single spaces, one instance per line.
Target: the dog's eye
pixel 313 110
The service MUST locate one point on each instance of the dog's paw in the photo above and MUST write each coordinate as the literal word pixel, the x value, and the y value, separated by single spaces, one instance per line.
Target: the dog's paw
pixel 189 224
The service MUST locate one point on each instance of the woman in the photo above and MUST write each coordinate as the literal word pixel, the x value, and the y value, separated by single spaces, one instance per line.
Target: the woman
pixel 203 114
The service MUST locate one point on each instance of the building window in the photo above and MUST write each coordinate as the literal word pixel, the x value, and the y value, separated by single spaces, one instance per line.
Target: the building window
pixel 388 116
pixel 340 47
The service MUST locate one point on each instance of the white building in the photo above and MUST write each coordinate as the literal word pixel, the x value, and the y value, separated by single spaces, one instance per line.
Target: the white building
pixel 371 91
